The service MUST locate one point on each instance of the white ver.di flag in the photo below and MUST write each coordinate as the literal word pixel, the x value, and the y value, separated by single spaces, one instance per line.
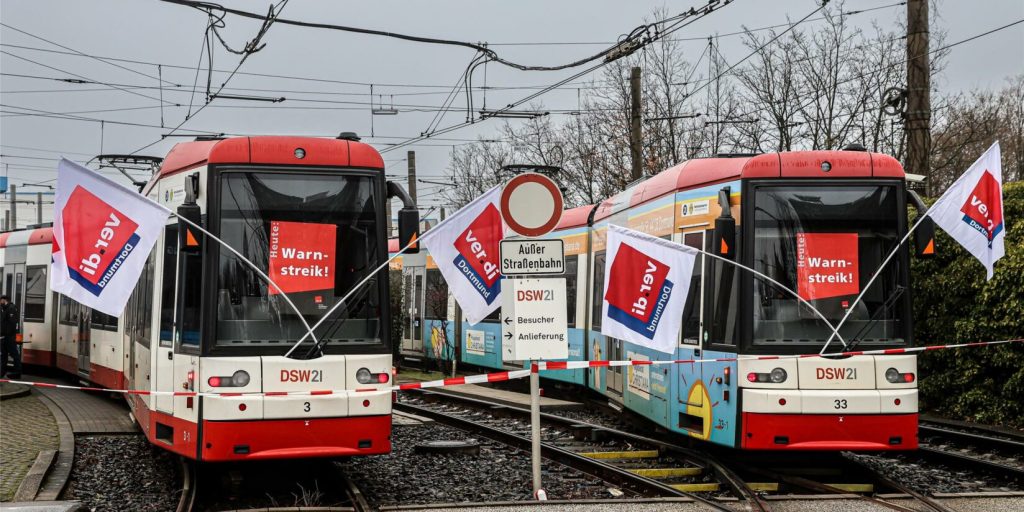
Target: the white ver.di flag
pixel 465 248
pixel 971 210
pixel 102 236
pixel 646 282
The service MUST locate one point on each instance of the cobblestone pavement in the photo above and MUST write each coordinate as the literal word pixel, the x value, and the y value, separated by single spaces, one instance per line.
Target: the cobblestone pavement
pixel 26 428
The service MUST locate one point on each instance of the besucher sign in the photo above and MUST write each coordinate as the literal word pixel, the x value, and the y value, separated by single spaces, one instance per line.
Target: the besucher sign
pixel 527 257
pixel 533 320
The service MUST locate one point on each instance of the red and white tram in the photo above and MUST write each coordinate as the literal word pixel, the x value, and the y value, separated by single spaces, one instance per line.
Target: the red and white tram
pixel 309 212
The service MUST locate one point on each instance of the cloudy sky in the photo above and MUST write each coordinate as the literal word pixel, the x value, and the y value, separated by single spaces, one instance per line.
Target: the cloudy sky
pixel 326 76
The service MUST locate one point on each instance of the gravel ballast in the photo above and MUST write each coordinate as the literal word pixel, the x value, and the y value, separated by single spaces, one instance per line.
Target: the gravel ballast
pixel 498 473
pixel 123 472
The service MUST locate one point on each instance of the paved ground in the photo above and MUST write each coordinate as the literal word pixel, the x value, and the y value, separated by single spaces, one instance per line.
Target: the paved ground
pixel 89 412
pixel 26 428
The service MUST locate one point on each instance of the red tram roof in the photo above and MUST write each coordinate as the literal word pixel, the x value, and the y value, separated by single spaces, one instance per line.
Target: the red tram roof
pixel 270 150
pixel 574 217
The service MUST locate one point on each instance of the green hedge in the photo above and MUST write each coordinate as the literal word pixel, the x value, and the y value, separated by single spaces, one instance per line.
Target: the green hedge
pixel 954 304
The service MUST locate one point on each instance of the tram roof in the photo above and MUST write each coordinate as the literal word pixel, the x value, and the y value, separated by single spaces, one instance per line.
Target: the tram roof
pixel 35 236
pixel 702 172
pixel 270 150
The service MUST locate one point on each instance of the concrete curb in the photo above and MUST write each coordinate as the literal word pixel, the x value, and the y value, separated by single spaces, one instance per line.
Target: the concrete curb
pixel 60 470
pixel 8 391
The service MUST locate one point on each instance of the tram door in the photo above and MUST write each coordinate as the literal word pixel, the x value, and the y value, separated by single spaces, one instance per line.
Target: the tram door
pixel 84 340
pixel 615 372
pixel 692 335
pixel 413 292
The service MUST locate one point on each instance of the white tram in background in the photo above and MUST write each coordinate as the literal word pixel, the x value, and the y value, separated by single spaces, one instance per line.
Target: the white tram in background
pixel 310 212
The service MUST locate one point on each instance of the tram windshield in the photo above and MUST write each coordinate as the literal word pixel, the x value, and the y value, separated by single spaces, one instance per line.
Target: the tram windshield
pixel 825 243
pixel 316 236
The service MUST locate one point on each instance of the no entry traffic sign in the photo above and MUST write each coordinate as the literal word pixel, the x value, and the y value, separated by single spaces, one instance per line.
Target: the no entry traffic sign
pixel 531 204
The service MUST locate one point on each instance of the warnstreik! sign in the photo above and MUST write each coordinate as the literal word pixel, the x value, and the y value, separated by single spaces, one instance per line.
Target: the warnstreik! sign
pixel 302 256
pixel 826 265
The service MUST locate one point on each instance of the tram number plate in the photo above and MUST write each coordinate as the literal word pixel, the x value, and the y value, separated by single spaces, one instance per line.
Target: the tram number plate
pixel 840 404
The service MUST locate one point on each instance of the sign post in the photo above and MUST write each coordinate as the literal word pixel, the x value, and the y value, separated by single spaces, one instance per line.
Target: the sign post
pixel 534 328
pixel 534 323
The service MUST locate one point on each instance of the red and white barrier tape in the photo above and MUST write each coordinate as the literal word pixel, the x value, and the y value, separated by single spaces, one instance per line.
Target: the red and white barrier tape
pixel 514 374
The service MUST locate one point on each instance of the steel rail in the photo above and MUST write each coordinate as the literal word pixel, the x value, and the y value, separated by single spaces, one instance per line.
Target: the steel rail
pixel 597 468
pixel 963 460
pixel 187 500
pixel 989 438
pixel 736 484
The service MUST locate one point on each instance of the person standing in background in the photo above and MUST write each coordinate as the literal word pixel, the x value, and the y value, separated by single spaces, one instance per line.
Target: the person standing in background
pixel 9 328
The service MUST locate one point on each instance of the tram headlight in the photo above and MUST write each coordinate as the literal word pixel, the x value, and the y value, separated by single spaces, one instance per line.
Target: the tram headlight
pixel 240 379
pixel 778 375
pixel 363 376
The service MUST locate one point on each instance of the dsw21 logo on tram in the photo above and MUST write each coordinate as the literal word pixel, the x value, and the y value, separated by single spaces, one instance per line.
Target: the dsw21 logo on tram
pixel 638 290
pixel 98 239
pixel 477 257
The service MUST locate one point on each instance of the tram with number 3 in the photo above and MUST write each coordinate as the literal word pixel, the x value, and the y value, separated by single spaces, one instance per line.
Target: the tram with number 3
pixel 819 222
pixel 308 212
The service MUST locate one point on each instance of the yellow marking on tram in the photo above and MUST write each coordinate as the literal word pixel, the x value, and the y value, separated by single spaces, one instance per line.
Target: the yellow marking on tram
pixel 702 487
pixel 667 472
pixel 854 487
pixel 633 454
pixel 764 486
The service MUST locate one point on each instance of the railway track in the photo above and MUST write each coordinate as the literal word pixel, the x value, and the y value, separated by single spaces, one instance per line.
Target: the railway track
pixel 645 466
pixel 187 500
pixel 982 448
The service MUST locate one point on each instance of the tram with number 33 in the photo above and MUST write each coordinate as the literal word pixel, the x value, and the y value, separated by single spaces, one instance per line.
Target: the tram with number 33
pixel 818 222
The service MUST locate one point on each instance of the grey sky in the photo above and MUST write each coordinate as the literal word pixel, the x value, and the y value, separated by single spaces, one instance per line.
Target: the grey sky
pixel 151 31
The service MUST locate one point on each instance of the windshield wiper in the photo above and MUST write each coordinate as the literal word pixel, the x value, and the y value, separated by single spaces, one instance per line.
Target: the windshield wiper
pixel 874 318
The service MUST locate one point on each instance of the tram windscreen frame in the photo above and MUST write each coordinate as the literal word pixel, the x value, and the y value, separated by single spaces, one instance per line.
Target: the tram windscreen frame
pixel 860 222
pixel 314 207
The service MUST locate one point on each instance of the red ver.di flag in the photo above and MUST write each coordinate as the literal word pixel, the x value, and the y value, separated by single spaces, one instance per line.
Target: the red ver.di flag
pixel 646 282
pixel 301 256
pixel 102 236
pixel 465 248
pixel 826 265
pixel 971 210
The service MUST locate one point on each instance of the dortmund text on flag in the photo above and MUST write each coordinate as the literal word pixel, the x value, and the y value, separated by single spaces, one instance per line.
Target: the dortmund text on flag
pixel 971 211
pixel 99 250
pixel 465 249
pixel 646 282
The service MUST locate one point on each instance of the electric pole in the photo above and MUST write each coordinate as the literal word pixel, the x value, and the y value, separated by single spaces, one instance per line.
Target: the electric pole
pixel 14 207
pixel 635 149
pixel 411 158
pixel 918 116
pixel 39 207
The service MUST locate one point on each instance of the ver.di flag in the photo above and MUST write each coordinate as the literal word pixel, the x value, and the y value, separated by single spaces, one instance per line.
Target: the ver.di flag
pixel 646 282
pixel 465 248
pixel 102 236
pixel 971 210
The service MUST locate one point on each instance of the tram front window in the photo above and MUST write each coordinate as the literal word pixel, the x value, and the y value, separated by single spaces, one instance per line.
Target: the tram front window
pixel 316 236
pixel 825 243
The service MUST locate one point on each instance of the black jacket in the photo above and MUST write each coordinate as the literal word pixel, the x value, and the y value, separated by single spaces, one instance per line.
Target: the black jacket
pixel 9 320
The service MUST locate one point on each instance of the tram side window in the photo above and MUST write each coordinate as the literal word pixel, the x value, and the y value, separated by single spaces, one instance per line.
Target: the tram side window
pixel 437 295
pixel 103 321
pixel 191 297
pixel 571 267
pixel 722 311
pixel 170 273
pixel 598 302
pixel 139 313
pixel 68 311
pixel 35 294
pixel 691 311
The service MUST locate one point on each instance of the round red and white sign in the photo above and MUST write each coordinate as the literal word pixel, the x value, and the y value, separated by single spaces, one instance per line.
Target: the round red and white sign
pixel 531 204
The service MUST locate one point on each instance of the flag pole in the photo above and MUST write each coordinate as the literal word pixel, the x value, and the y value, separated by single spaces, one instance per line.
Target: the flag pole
pixel 835 329
pixel 874 276
pixel 309 330
pixel 354 289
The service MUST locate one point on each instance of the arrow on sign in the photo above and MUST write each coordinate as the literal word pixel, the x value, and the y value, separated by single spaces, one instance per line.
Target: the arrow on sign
pixel 508 335
pixel 508 321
